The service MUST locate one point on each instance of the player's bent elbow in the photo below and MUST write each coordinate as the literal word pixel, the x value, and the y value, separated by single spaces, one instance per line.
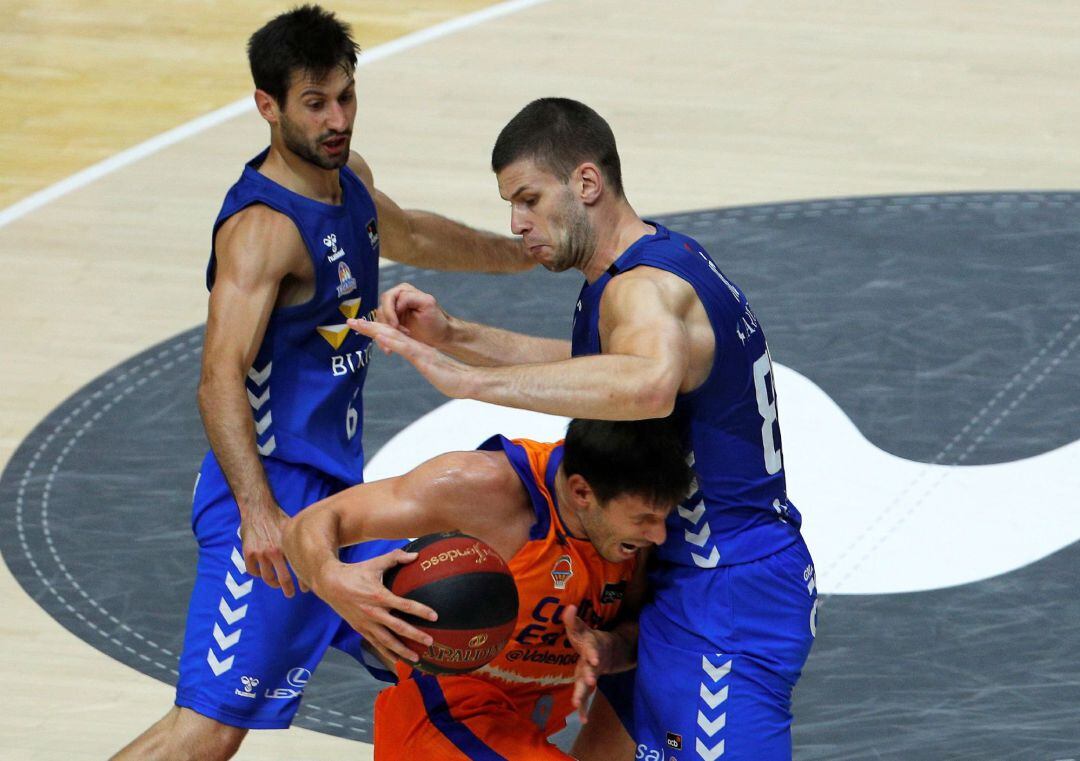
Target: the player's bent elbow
pixel 655 400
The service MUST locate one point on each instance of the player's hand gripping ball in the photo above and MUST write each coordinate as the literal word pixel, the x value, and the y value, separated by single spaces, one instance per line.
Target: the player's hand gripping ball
pixel 471 589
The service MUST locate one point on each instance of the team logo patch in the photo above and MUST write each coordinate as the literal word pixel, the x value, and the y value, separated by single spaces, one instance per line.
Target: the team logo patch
pixel 674 741
pixel 347 283
pixel 373 233
pixel 562 571
pixel 612 592
pixel 335 253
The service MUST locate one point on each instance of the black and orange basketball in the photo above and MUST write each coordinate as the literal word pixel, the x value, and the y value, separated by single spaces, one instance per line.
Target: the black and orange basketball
pixel 470 587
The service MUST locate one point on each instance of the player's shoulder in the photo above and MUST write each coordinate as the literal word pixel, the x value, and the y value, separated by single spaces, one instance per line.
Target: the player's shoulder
pixel 480 470
pixel 362 170
pixel 258 230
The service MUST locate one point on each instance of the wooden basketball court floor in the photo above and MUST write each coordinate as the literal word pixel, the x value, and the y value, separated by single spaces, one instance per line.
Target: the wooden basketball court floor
pixel 714 104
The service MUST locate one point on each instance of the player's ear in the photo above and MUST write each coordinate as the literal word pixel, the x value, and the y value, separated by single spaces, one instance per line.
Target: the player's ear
pixel 588 182
pixel 267 106
pixel 580 491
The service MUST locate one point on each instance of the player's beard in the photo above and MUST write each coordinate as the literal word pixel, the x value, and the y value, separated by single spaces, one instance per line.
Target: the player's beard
pixel 577 239
pixel 296 142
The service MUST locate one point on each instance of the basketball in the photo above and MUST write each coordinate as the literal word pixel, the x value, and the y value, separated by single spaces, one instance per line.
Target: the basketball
pixel 469 586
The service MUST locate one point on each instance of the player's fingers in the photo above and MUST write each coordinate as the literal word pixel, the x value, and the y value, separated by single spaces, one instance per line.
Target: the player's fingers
pixel 398 649
pixel 403 628
pixel 387 313
pixel 284 578
pixel 388 599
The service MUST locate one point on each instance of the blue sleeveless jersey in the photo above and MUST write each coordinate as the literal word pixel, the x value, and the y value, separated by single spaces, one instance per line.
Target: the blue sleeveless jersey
pixel 740 510
pixel 304 386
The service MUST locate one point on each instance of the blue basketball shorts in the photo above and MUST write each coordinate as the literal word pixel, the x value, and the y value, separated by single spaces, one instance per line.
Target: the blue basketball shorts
pixel 249 650
pixel 719 653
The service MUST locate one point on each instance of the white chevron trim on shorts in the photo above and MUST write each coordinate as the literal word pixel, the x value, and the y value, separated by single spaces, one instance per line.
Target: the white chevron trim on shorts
pixel 267 448
pixel 707 753
pixel 258 377
pixel 231 616
pixel 218 667
pixel 714 695
pixel 238 590
pixel 716 672
pixel 224 641
pixel 257 402
pixel 713 699
pixel 706 562
pixel 700 537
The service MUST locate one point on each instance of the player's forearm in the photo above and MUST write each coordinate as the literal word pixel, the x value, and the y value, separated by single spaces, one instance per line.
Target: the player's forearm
pixel 599 387
pixel 622 648
pixel 488 346
pixel 441 243
pixel 310 542
pixel 229 427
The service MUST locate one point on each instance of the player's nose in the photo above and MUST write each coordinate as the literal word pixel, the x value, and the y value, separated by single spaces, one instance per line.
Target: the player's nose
pixel 656 533
pixel 519 223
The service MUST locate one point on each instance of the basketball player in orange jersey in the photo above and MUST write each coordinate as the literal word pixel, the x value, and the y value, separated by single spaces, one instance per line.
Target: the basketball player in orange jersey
pixel 571 519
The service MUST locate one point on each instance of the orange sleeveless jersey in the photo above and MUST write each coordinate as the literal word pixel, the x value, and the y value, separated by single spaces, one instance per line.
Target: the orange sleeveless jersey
pixel 511 705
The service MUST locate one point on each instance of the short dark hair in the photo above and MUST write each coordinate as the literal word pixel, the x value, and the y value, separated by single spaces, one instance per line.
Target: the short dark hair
pixel 647 458
pixel 307 39
pixel 559 134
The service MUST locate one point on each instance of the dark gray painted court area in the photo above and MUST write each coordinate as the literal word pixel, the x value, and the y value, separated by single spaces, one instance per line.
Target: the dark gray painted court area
pixel 910 312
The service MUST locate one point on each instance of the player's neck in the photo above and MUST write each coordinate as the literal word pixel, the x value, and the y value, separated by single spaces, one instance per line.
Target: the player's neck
pixel 617 228
pixel 290 171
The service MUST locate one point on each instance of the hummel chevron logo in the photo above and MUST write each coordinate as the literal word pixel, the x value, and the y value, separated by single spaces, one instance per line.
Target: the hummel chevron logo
pixel 225 642
pixel 700 537
pixel 707 753
pixel 693 515
pixel 709 562
pixel 268 448
pixel 716 672
pixel 218 667
pixel 257 402
pixel 713 699
pixel 259 377
pixel 711 727
pixel 238 561
pixel 238 590
pixel 262 425
pixel 231 616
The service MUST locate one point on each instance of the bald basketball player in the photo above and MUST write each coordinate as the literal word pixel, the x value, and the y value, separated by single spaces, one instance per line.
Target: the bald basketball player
pixel 296 251
pixel 658 328
pixel 570 519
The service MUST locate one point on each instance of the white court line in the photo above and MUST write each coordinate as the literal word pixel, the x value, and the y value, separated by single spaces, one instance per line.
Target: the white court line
pixel 153 145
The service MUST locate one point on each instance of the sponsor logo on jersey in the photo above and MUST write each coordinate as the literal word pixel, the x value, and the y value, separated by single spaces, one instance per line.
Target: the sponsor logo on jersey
pixel 612 592
pixel 674 740
pixel 250 683
pixel 336 334
pixel 562 571
pixel 347 283
pixel 373 233
pixel 295 682
pixel 335 253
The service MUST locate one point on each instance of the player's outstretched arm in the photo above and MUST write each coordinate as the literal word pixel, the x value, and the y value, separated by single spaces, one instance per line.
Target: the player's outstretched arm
pixel 644 365
pixel 255 250
pixel 418 315
pixel 423 239
pixel 474 492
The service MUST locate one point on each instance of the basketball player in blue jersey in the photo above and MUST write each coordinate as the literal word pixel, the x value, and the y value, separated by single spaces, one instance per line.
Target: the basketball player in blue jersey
pixel 658 329
pixel 295 253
